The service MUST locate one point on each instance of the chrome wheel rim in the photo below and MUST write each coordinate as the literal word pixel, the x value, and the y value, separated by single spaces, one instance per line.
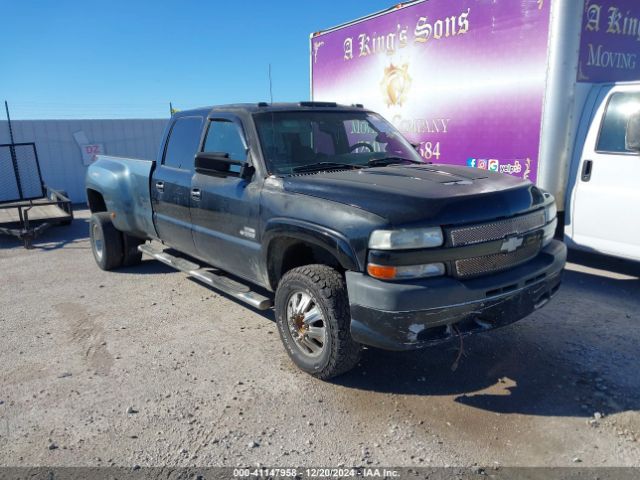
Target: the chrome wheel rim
pixel 98 242
pixel 306 323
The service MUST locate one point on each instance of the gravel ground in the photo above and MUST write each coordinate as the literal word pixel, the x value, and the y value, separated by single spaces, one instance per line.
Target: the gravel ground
pixel 146 367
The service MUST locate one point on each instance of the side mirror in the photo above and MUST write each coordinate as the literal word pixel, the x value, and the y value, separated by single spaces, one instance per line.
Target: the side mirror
pixel 219 164
pixel 632 136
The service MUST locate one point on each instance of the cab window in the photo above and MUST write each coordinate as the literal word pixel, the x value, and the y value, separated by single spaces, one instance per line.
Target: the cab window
pixel 183 143
pixel 612 134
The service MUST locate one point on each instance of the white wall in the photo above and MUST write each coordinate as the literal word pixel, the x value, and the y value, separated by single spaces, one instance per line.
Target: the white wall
pixel 59 153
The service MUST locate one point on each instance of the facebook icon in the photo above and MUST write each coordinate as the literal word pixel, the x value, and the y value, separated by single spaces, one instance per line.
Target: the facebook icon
pixel 471 162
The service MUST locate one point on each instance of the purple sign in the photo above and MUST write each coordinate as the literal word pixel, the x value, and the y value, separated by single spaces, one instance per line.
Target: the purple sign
pixel 610 43
pixel 463 78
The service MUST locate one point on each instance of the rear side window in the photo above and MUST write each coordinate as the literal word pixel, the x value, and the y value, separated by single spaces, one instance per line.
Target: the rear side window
pixel 183 143
pixel 226 136
pixel 612 134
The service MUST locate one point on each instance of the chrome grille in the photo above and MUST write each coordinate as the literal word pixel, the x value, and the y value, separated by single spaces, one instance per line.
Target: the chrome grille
pixel 499 229
pixel 477 266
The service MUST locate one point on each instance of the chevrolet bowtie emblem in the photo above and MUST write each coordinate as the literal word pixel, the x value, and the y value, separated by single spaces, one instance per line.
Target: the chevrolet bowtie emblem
pixel 511 244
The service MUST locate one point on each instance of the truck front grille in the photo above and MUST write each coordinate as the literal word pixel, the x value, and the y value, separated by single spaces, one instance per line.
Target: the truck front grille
pixel 477 266
pixel 496 230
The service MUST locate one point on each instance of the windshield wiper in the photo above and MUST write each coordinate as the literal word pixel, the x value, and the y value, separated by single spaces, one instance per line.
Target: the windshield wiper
pixel 385 161
pixel 321 166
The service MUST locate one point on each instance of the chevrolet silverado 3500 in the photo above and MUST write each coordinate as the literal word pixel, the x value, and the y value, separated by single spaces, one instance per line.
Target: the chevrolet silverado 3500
pixel 329 214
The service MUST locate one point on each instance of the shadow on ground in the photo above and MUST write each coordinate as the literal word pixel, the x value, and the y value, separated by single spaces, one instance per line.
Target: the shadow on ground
pixel 71 237
pixel 54 237
pixel 577 356
pixel 566 360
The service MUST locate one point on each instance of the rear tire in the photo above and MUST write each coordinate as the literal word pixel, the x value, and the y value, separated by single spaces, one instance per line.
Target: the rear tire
pixel 106 242
pixel 131 255
pixel 313 317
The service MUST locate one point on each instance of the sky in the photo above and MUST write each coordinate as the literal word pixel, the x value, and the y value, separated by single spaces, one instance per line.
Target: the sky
pixel 129 59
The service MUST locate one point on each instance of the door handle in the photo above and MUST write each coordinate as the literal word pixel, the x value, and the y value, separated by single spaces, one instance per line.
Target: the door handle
pixel 195 193
pixel 587 167
pixel 160 186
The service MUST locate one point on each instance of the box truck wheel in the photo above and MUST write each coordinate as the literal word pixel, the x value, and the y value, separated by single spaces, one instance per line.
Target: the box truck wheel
pixel 106 241
pixel 312 313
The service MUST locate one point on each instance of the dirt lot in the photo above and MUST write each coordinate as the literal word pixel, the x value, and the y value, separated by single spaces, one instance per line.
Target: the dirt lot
pixel 145 367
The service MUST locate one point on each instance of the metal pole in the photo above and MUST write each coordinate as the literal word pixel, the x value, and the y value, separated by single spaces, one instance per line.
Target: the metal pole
pixel 12 150
pixel 6 107
pixel 270 85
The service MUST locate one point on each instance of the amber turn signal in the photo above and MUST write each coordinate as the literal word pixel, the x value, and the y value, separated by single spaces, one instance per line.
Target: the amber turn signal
pixel 405 272
pixel 383 272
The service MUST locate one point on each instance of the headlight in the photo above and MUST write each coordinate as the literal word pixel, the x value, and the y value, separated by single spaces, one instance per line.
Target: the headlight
pixel 406 239
pixel 386 272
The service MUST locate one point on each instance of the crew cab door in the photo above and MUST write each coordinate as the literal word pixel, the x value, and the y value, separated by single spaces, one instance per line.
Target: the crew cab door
pixel 171 184
pixel 607 187
pixel 225 214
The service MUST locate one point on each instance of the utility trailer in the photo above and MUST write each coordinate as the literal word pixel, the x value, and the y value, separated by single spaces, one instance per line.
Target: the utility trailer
pixel 27 206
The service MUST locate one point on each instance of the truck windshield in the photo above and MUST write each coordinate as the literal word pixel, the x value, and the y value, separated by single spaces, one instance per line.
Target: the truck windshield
pixel 319 140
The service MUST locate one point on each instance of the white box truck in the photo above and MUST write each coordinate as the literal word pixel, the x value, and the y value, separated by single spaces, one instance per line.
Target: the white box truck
pixel 547 90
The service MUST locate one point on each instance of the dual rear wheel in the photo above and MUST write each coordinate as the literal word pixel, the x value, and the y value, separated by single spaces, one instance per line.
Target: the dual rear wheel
pixel 111 248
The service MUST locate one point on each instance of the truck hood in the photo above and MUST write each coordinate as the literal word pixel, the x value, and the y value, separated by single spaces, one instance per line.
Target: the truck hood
pixel 431 194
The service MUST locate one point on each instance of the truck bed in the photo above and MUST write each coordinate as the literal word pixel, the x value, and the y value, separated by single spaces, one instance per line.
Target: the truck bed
pixel 124 182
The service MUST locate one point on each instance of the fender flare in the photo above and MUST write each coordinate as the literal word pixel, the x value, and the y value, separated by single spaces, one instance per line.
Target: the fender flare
pixel 331 240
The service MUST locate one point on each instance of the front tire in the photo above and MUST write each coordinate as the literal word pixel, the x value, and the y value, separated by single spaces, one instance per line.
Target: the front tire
pixel 312 313
pixel 106 242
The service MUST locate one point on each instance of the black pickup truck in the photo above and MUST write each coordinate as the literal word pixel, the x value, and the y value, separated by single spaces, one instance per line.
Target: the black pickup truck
pixel 327 213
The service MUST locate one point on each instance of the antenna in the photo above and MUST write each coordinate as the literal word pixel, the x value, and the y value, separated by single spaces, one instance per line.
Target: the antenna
pixel 273 127
pixel 270 85
pixel 170 109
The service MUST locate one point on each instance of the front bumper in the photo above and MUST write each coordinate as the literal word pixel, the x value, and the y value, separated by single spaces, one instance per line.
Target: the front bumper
pixel 409 315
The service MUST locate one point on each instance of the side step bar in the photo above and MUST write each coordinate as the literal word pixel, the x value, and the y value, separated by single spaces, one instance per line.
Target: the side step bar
pixel 224 284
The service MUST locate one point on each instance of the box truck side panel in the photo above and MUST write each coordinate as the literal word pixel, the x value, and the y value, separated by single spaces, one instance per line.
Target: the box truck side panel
pixel 610 48
pixel 463 78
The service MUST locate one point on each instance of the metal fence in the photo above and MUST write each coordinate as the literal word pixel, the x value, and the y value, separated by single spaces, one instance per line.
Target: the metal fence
pixel 60 153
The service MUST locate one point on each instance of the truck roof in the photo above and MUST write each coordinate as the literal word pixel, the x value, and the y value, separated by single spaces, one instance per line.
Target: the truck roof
pixel 304 106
